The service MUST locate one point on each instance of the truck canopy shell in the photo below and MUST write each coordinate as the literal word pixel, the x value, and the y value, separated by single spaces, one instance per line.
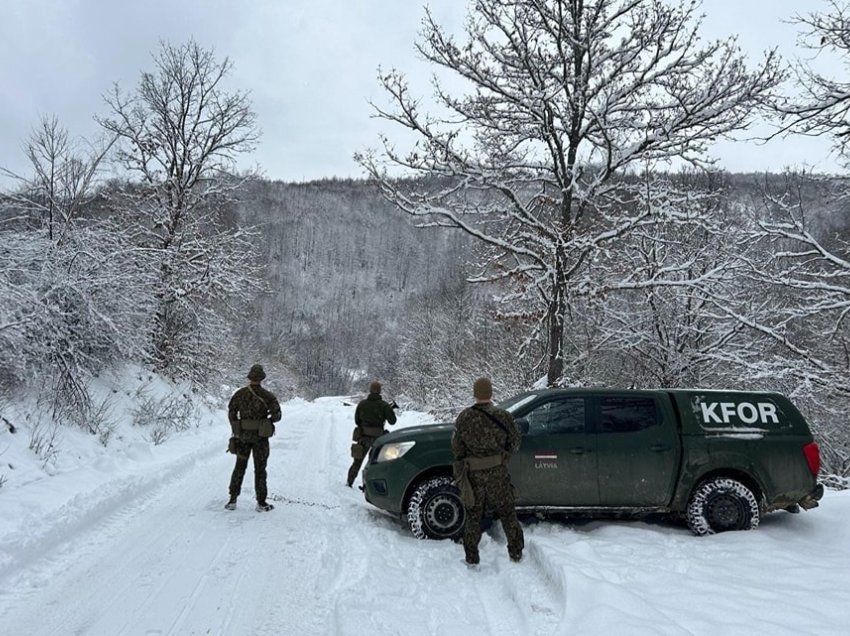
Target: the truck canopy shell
pixel 738 414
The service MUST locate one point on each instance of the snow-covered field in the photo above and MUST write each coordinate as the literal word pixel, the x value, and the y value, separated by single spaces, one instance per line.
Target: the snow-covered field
pixel 134 539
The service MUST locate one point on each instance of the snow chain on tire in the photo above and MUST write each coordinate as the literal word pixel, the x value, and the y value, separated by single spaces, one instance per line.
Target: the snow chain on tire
pixel 722 504
pixel 423 498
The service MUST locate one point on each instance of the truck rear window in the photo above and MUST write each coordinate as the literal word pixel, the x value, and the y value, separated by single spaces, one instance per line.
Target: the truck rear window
pixel 627 414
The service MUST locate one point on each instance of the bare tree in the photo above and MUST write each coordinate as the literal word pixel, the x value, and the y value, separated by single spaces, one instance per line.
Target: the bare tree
pixel 820 104
pixel 62 180
pixel 811 266
pixel 447 340
pixel 179 133
pixel 562 97
pixel 808 269
pixel 73 287
pixel 802 269
pixel 662 326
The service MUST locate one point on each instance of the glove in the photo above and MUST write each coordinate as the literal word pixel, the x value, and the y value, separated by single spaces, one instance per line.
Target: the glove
pixel 231 446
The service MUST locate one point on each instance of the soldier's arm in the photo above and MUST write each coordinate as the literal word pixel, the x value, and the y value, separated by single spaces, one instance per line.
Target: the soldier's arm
pixel 459 448
pixel 272 404
pixel 233 408
pixel 357 420
pixel 389 414
pixel 233 413
pixel 514 435
pixel 274 410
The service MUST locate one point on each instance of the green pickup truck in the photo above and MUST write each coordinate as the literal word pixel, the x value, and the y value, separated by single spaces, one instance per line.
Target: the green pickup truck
pixel 718 459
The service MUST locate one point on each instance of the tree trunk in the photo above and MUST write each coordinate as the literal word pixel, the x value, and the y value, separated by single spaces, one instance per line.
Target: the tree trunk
pixel 556 352
pixel 555 319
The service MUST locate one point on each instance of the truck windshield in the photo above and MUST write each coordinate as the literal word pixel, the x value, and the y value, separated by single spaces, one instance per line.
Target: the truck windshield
pixel 512 404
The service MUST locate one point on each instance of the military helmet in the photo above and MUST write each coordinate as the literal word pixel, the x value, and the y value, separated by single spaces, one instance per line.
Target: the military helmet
pixel 256 373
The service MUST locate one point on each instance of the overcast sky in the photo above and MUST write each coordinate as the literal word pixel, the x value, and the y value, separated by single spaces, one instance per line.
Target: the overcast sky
pixel 309 65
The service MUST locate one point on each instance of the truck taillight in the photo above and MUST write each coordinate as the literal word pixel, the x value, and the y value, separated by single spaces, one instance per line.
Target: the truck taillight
pixel 812 453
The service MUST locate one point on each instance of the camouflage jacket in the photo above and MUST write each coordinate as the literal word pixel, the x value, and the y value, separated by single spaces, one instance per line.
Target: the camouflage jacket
pixel 373 412
pixel 476 435
pixel 245 405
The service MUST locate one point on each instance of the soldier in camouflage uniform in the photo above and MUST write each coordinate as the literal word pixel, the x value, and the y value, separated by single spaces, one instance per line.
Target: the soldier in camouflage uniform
pixel 369 418
pixel 484 439
pixel 252 412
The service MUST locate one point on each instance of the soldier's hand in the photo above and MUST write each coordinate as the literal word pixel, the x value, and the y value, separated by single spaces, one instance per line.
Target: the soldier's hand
pixel 231 446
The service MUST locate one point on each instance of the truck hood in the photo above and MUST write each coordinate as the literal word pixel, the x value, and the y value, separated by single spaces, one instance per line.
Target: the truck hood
pixel 426 431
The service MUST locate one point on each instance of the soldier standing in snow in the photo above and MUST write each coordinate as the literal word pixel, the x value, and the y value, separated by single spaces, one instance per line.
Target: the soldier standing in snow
pixel 369 418
pixel 252 412
pixel 483 441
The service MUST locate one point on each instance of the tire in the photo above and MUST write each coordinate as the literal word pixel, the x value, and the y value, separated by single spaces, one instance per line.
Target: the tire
pixel 722 504
pixel 435 510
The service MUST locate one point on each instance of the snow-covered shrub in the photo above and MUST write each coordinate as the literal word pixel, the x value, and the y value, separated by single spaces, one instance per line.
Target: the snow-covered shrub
pixel 70 308
pixel 100 419
pixel 163 414
pixel 44 440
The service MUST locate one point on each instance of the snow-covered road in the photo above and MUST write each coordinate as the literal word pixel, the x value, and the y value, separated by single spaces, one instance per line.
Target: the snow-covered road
pixel 156 553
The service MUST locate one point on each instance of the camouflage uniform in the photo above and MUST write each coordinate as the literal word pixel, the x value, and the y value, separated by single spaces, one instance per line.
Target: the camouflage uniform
pixel 476 436
pixel 369 417
pixel 252 412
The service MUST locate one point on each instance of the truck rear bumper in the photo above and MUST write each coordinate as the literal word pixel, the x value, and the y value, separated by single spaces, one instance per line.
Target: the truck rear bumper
pixel 811 500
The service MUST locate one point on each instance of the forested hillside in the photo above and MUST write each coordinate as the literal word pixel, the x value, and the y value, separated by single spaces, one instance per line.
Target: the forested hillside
pixel 345 273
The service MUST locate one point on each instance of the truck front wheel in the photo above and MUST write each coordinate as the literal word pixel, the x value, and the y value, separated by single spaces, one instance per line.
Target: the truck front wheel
pixel 435 510
pixel 722 504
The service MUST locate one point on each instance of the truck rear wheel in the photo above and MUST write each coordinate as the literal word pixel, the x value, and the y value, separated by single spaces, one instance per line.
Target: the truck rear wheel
pixel 722 504
pixel 435 510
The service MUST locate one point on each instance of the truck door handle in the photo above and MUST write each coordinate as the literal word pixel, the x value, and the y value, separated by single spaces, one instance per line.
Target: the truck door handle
pixel 658 448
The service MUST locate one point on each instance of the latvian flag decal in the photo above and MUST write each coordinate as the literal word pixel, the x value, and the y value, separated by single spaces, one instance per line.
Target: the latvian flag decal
pixel 545 456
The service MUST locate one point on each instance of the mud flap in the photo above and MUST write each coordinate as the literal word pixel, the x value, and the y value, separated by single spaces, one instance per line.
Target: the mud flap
pixel 811 500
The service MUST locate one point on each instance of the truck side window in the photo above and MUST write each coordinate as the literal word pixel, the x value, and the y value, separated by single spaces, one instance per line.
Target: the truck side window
pixel 556 417
pixel 627 414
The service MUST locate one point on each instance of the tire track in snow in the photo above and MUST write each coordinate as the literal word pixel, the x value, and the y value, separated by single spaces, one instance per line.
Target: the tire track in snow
pixel 307 477
pixel 121 500
pixel 109 576
pixel 536 587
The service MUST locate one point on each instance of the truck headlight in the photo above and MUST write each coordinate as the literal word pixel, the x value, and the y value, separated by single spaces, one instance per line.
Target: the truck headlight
pixel 390 452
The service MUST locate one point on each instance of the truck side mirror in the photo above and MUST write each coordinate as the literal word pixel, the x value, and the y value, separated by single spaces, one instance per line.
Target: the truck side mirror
pixel 523 426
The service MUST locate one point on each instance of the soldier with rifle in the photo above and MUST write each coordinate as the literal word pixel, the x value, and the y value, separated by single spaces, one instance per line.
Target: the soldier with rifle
pixel 369 418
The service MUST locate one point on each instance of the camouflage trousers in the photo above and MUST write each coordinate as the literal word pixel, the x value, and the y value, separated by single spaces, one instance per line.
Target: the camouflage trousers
pixel 493 491
pixel 359 451
pixel 250 443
